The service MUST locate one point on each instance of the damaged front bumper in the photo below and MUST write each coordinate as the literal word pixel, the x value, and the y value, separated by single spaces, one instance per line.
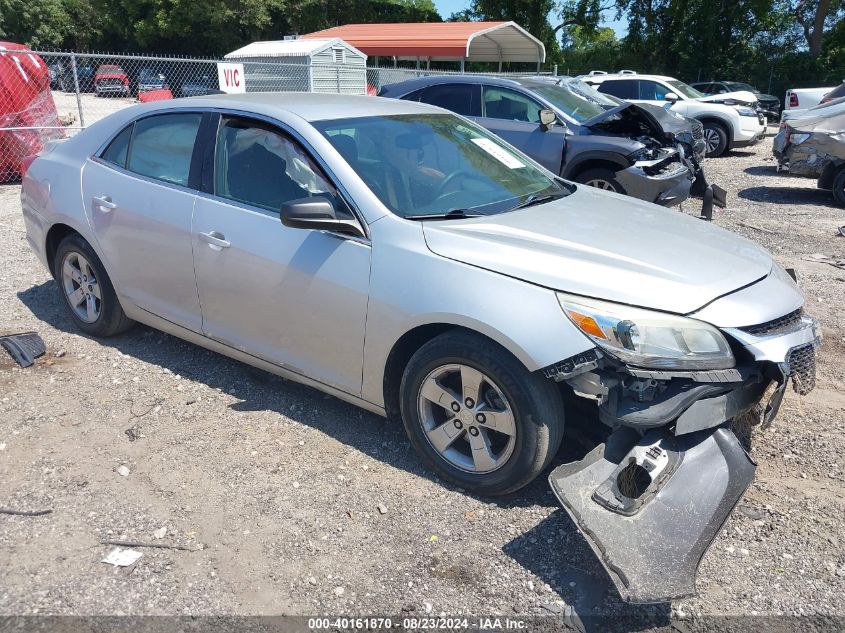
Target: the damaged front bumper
pixel 654 495
pixel 650 506
pixel 664 180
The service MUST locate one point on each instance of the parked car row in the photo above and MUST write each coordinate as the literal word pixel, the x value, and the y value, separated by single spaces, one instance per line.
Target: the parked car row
pixel 111 79
pixel 730 119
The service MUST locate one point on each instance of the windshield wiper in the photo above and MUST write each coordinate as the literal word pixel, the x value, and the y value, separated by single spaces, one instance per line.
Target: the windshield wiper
pixel 452 214
pixel 537 198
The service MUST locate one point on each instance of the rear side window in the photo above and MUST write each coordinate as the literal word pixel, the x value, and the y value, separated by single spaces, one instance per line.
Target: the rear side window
pixel 501 103
pixel 622 88
pixel 459 98
pixel 162 147
pixel 115 153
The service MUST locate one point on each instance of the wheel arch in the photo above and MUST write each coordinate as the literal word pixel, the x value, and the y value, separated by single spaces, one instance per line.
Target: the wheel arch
pixel 573 170
pixel 411 341
pixel 55 235
pixel 729 128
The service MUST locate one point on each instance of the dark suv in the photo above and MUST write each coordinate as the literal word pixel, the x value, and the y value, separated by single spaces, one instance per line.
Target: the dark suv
pixel 593 140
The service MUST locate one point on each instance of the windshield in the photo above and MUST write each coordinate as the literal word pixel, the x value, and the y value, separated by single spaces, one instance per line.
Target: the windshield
pixel 738 85
pixel 431 164
pixel 685 90
pixel 571 103
pixel 588 92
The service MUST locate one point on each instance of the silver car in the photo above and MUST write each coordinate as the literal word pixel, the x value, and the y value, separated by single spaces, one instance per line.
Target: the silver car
pixel 406 260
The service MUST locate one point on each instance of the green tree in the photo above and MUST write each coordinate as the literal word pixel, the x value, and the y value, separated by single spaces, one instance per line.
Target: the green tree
pixel 48 23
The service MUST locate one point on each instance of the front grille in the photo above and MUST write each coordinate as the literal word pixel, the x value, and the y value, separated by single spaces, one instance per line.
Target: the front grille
pixel 802 368
pixel 785 323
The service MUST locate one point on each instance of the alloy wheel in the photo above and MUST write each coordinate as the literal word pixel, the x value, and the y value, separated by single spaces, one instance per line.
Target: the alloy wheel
pixel 81 287
pixel 711 139
pixel 467 418
pixel 599 183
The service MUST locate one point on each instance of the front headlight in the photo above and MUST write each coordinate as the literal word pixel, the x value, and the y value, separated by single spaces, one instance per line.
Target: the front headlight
pixel 797 139
pixel 743 111
pixel 649 339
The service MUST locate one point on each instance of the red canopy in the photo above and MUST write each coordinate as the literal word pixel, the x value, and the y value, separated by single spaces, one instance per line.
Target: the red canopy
pixel 472 41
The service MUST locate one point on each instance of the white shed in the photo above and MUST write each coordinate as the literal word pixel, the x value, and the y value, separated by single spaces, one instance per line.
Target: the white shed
pixel 312 65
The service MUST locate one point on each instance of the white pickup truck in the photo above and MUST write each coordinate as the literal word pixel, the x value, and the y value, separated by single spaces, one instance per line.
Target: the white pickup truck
pixel 804 98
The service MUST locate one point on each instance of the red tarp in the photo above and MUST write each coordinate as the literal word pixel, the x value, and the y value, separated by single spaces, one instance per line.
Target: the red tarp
pixel 25 101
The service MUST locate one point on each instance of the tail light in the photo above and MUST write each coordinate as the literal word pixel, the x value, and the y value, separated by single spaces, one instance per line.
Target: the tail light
pixel 793 100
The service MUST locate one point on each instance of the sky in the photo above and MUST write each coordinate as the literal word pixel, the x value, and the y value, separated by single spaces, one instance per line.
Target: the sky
pixel 448 7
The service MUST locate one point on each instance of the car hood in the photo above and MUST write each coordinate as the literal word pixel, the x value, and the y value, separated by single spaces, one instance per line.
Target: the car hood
pixel 740 97
pixel 629 118
pixel 607 246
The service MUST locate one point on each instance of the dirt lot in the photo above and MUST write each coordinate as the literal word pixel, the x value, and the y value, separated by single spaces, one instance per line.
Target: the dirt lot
pixel 280 485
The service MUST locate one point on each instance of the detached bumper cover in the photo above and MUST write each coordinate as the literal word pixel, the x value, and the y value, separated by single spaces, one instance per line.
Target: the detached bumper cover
pixel 666 183
pixel 650 506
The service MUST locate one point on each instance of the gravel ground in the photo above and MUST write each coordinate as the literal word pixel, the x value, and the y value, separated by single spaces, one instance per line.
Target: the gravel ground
pixel 293 502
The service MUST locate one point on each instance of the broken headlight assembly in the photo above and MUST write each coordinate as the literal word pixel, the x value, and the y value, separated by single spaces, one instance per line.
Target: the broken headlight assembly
pixel 745 111
pixel 645 338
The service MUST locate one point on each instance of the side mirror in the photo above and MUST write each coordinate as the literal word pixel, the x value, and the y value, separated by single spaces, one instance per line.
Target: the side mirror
pixel 671 97
pixel 316 213
pixel 547 119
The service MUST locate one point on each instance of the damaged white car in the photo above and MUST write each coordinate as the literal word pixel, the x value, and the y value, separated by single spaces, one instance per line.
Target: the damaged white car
pixel 405 259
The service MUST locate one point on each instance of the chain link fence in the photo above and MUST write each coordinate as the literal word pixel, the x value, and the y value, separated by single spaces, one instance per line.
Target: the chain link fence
pixel 52 94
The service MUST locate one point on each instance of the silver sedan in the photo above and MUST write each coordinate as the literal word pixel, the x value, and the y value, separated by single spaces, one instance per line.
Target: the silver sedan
pixel 404 259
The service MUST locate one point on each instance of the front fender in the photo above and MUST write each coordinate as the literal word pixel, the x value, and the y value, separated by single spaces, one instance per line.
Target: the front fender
pixel 411 286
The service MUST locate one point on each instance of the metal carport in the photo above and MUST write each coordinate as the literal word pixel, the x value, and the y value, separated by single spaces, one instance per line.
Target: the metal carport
pixel 442 41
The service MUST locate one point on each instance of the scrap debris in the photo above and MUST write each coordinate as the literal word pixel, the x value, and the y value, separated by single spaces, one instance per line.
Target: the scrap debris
pixel 156 545
pixel 26 513
pixel 122 557
pixel 24 347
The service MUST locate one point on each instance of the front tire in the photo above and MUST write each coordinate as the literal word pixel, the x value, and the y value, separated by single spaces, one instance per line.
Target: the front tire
pixel 715 139
pixel 600 178
pixel 477 416
pixel 86 290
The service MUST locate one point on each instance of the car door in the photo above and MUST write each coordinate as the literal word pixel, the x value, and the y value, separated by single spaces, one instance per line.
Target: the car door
pixel 515 117
pixel 294 297
pixel 139 196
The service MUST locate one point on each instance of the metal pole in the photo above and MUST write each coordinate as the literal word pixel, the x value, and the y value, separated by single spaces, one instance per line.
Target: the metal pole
pixel 462 64
pixel 555 70
pixel 76 87
pixel 771 72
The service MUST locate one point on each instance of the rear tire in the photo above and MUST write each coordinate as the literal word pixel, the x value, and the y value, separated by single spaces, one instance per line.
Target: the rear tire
pixel 477 416
pixel 600 178
pixel 715 139
pixel 839 187
pixel 86 290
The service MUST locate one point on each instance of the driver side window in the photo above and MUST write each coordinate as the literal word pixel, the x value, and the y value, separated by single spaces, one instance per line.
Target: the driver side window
pixel 501 103
pixel 258 165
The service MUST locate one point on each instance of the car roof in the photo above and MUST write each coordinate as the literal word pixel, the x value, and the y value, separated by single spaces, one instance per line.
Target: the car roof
pixel 404 87
pixel 306 105
pixel 600 78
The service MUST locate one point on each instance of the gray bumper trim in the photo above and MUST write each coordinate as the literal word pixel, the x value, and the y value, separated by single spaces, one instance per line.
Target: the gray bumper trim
pixel 653 553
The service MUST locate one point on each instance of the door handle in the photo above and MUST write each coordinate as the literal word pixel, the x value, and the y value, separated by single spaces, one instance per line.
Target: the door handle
pixel 215 240
pixel 104 203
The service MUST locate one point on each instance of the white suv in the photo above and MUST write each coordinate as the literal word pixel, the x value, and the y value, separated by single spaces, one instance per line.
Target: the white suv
pixel 730 120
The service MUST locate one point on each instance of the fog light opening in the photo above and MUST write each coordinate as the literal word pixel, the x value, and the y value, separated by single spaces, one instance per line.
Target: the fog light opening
pixel 633 480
